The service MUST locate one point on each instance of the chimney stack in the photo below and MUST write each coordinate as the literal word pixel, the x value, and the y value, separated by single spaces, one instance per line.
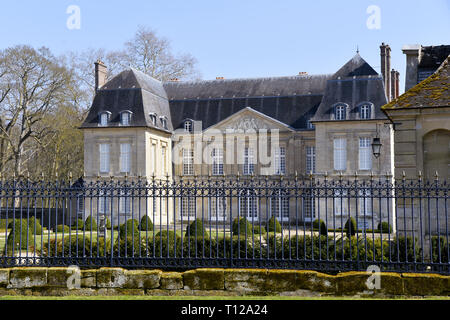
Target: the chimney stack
pixel 385 54
pixel 397 84
pixel 393 84
pixel 100 74
pixel 412 52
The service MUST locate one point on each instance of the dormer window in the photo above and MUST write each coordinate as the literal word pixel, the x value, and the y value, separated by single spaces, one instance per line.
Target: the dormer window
pixel 153 118
pixel 104 118
pixel 309 124
pixel 365 111
pixel 125 118
pixel 163 120
pixel 188 125
pixel 340 112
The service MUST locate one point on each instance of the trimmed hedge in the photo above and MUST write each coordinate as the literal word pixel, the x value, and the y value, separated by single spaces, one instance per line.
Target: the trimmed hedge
pixel 241 227
pixel 274 225
pixel 350 227
pixel 146 224
pixel 320 225
pixel 78 224
pixel 90 224
pixel 196 228
pixel 385 227
pixel 259 229
pixel 60 228
pixel 22 235
pixel 129 228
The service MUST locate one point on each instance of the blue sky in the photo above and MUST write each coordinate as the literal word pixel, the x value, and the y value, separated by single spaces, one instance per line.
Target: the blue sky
pixel 235 39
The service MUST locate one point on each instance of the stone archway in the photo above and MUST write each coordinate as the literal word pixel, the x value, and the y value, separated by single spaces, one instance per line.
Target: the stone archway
pixel 436 154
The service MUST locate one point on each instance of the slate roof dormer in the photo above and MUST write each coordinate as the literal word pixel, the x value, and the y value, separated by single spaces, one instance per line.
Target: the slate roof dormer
pixel 132 91
pixel 356 82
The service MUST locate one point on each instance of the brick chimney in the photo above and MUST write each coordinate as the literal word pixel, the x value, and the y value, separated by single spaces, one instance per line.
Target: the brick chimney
pixel 100 74
pixel 385 54
pixel 393 84
pixel 397 84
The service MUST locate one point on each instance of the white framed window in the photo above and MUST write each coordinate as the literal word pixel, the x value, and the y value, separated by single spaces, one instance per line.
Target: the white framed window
pixel 125 157
pixel 309 208
pixel 365 111
pixel 187 207
pixel 125 118
pixel 249 161
pixel 104 157
pixel 153 118
pixel 103 202
pixel 104 117
pixel 310 159
pixel 218 208
pixel 125 201
pixel 340 112
pixel 340 154
pixel 280 160
pixel 248 205
pixel 163 161
pixel 217 161
pixel 365 154
pixel 188 126
pixel 340 203
pixel 280 206
pixel 163 120
pixel 188 162
pixel 80 205
pixel 365 202
pixel 153 157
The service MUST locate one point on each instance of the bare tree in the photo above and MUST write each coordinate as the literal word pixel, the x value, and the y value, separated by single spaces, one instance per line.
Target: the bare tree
pixel 37 84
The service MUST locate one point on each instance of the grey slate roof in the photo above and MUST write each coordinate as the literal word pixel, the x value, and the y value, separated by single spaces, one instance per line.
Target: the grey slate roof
pixel 433 56
pixel 130 90
pixel 356 82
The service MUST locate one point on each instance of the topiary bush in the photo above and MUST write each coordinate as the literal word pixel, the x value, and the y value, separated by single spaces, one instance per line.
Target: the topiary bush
pixel 129 229
pixel 196 229
pixel 320 225
pixel 350 227
pixel 90 224
pixel 166 233
pixel 20 237
pixel 241 227
pixel 274 225
pixel 108 224
pixel 259 229
pixel 78 224
pixel 60 228
pixel 385 227
pixel 146 224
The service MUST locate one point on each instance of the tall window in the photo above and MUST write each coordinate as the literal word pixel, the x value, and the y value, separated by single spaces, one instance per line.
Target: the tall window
pixel 280 160
pixel 339 112
pixel 188 207
pixel 80 205
pixel 364 111
pixel 365 202
pixel 217 161
pixel 340 154
pixel 188 162
pixel 248 205
pixel 104 157
pixel 309 207
pixel 163 122
pixel 280 206
pixel 310 159
pixel 249 163
pixel 125 118
pixel 365 154
pixel 340 202
pixel 218 208
pixel 163 161
pixel 103 202
pixel 153 157
pixel 125 201
pixel 103 119
pixel 125 157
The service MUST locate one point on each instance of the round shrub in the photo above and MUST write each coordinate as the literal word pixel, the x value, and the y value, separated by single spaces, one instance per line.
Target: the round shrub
pixel 274 225
pixel 90 224
pixel 320 224
pixel 60 228
pixel 196 229
pixel 19 238
pixel 129 228
pixel 35 225
pixel 166 234
pixel 242 227
pixel 78 224
pixel 350 227
pixel 146 224
pixel 385 227
pixel 259 230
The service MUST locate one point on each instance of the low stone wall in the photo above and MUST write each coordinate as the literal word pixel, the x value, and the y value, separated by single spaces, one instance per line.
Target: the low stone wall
pixel 214 282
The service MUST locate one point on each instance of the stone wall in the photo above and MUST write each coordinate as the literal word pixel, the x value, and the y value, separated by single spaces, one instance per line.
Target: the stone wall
pixel 214 282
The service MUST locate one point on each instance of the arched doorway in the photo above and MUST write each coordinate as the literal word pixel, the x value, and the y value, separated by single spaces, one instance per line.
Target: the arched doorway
pixel 436 154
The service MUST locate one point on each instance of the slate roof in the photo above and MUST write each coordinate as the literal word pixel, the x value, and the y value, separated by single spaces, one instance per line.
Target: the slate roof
pixel 433 56
pixel 355 83
pixel 434 91
pixel 130 90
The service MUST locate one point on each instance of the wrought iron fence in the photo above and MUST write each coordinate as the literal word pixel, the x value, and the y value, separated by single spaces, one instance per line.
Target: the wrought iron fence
pixel 318 223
